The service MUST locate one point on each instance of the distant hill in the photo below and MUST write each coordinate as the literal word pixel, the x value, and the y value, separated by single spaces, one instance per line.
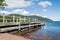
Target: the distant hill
pixel 33 16
pixel 26 17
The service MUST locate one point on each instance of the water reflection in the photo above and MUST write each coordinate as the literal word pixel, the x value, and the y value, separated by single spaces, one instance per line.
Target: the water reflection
pixel 45 33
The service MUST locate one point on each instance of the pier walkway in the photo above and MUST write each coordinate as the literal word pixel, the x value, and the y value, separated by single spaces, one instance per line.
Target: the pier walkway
pixel 13 26
pixel 13 23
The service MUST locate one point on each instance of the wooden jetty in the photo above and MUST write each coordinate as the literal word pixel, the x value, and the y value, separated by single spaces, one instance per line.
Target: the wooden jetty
pixel 13 26
pixel 17 24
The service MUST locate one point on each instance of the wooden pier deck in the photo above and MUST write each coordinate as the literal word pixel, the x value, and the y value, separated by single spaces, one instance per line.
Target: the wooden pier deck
pixel 14 26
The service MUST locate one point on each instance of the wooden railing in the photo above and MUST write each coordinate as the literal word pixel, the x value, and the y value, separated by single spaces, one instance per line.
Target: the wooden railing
pixel 17 19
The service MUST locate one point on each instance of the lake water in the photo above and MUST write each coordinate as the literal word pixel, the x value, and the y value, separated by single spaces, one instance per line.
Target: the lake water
pixel 51 31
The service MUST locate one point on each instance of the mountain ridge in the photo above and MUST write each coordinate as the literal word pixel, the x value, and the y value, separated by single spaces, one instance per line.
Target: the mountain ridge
pixel 33 16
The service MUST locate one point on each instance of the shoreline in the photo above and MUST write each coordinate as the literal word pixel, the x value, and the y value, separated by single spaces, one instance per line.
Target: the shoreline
pixel 26 34
pixel 7 36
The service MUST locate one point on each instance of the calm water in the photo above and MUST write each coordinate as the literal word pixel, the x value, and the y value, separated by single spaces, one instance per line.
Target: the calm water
pixel 51 31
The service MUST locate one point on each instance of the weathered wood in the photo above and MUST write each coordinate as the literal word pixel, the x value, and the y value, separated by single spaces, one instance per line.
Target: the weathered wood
pixel 8 26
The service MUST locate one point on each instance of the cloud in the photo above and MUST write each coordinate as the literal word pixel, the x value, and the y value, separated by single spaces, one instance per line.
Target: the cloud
pixel 34 0
pixel 45 4
pixel 20 11
pixel 17 3
pixel 44 10
pixel 25 13
pixel 17 11
pixel 44 16
pixel 35 14
pixel 32 14
pixel 5 12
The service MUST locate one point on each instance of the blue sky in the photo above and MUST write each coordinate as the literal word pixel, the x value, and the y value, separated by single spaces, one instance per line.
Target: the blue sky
pixel 49 9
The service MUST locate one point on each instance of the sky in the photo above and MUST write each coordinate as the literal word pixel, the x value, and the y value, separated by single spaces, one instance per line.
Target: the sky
pixel 44 8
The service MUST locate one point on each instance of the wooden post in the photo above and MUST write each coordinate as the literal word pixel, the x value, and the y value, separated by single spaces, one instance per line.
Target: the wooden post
pixel 17 20
pixel 33 19
pixel 29 19
pixel 3 17
pixel 6 20
pixel 29 24
pixel 13 18
pixel 19 29
pixel 36 20
pixel 24 19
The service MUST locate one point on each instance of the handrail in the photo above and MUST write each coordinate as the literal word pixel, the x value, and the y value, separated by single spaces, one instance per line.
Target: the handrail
pixel 17 19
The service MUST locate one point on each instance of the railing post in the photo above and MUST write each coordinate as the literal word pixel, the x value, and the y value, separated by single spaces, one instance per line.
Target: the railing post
pixel 17 20
pixel 33 19
pixel 29 24
pixel 3 17
pixel 6 20
pixel 19 29
pixel 13 18
pixel 24 19
pixel 29 19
